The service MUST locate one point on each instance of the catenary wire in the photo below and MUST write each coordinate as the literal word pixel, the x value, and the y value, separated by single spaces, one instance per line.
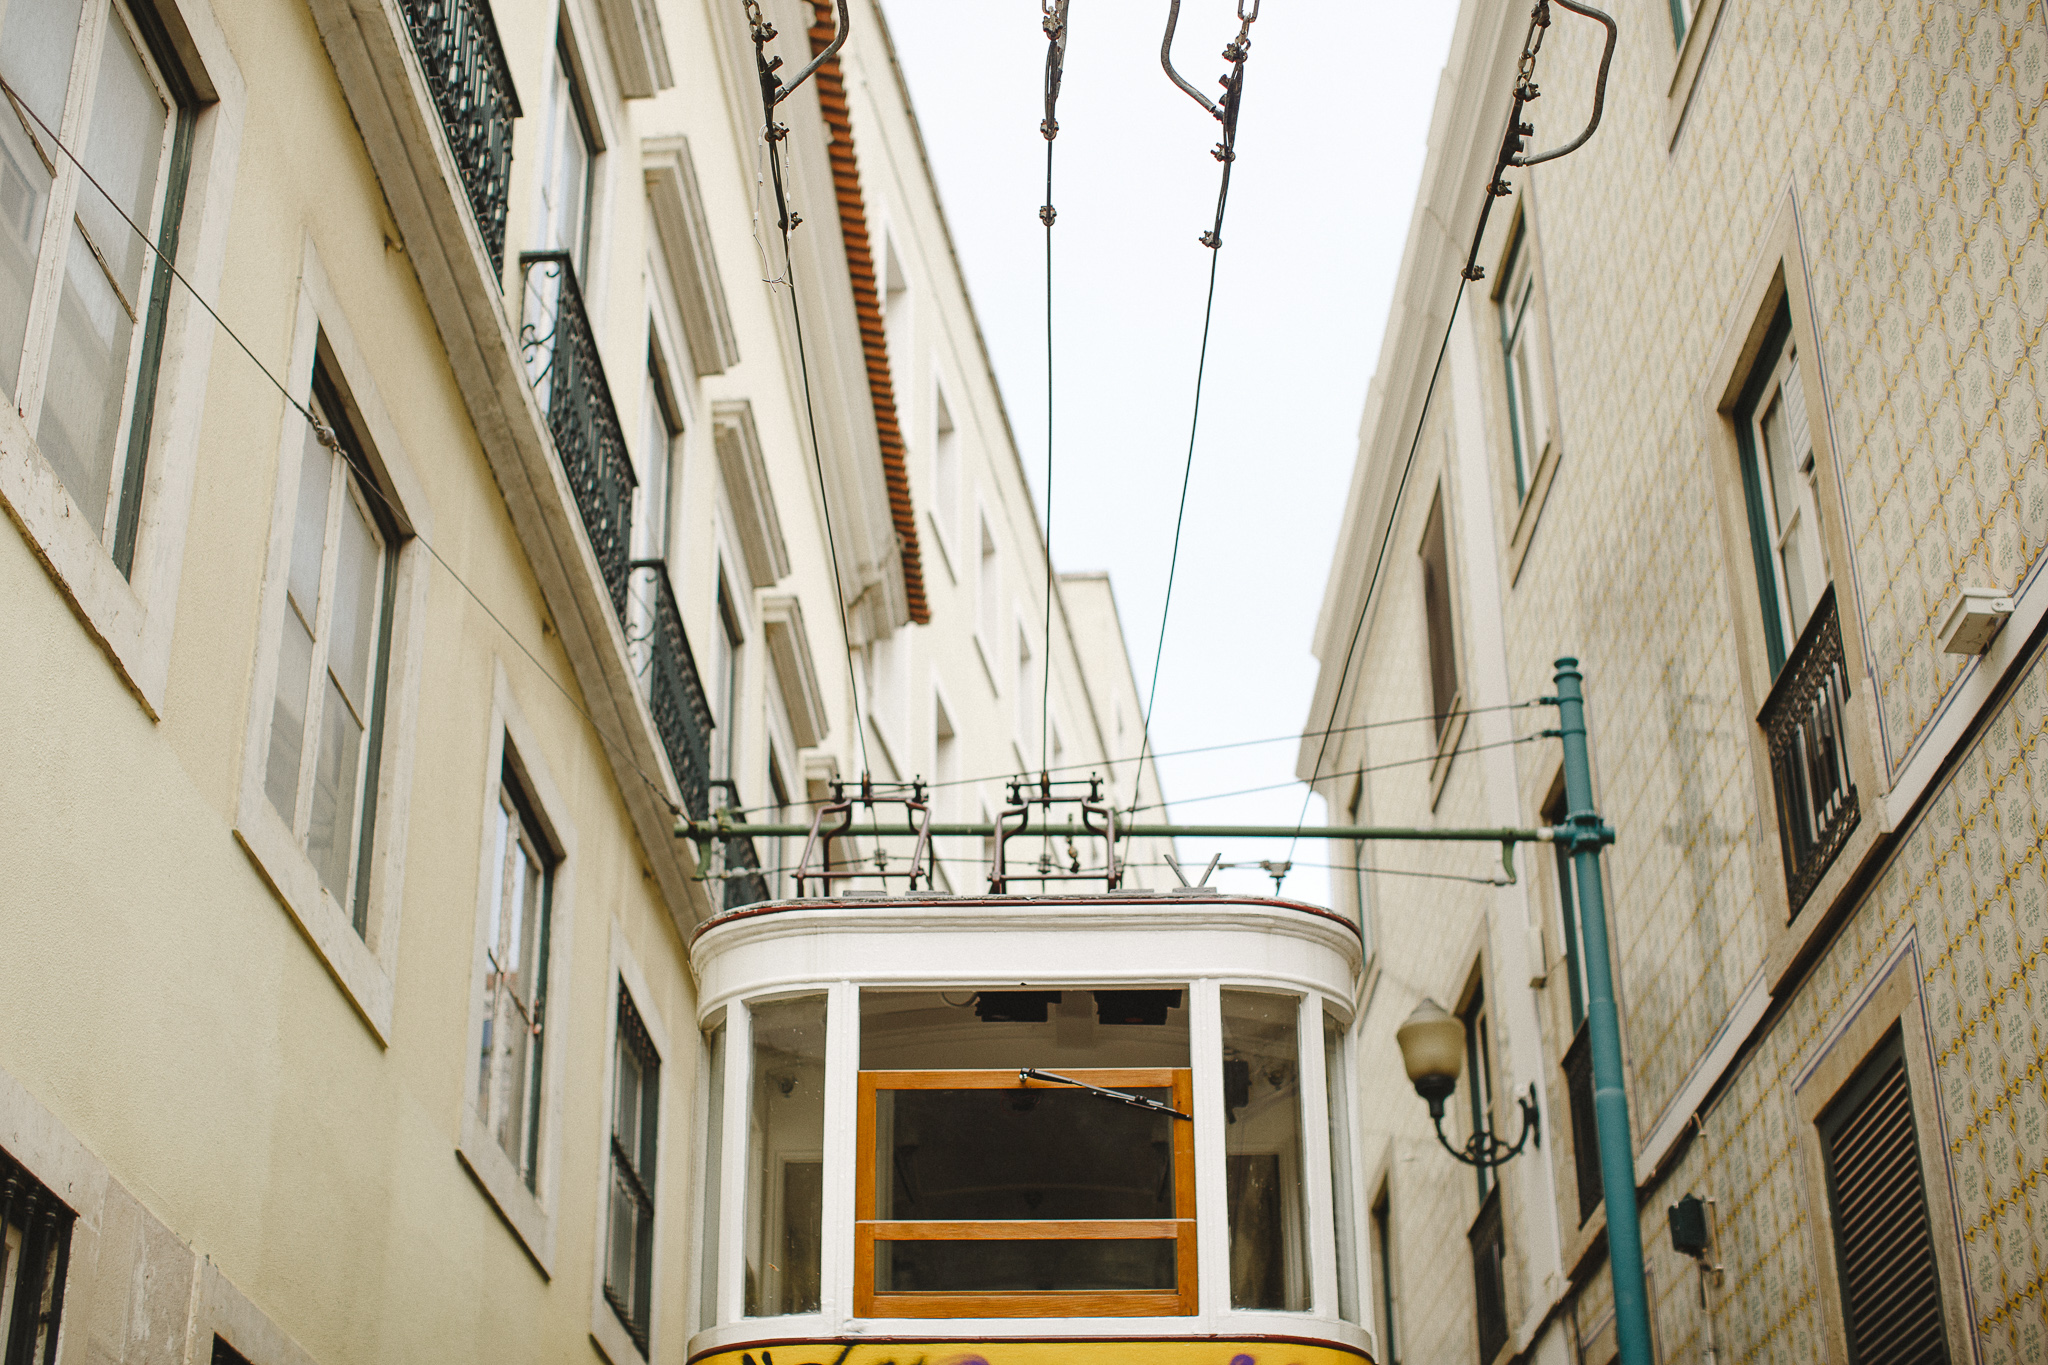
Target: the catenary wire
pixel 326 436
pixel 1156 755
pixel 1352 772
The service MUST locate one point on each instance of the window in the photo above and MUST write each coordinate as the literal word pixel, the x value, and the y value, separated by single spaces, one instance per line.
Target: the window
pixel 1337 1091
pixel 1479 1068
pixel 1682 12
pixel 1578 1057
pixel 1487 1237
pixel 726 643
pixel 1778 478
pixel 714 1179
pixel 989 605
pixel 35 1248
pixel 1436 611
pixel 659 431
pixel 82 297
pixel 1884 1246
pixel 333 657
pixel 1528 425
pixel 1263 1151
pixel 981 1194
pixel 786 1158
pixel 945 469
pixel 1027 698
pixel 567 156
pixel 946 793
pixel 515 980
pixel 1383 1261
pixel 636 1109
pixel 224 1354
pixel 784 813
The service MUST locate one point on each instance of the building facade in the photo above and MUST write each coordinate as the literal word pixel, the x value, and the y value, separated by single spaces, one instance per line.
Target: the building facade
pixel 1746 415
pixel 419 500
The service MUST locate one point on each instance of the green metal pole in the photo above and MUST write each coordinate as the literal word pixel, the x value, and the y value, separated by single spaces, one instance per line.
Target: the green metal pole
pixel 1585 835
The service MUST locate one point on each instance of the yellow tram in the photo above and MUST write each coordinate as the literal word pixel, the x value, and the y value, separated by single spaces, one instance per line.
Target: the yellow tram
pixel 1008 1129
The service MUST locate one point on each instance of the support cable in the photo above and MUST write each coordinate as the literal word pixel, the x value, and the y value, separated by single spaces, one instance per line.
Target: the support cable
pixel 1236 52
pixel 1055 25
pixel 1513 153
pixel 325 435
pixel 773 92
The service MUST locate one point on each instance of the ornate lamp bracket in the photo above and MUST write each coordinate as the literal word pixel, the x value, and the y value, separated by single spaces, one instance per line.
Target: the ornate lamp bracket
pixel 1483 1148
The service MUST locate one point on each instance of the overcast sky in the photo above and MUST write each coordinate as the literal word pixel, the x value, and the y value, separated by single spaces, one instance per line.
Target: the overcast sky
pixel 1330 147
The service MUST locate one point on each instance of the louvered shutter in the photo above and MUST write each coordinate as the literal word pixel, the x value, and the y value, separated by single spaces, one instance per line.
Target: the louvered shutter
pixel 1884 1248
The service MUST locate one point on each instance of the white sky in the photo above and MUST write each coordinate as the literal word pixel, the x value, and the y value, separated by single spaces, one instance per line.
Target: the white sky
pixel 1330 147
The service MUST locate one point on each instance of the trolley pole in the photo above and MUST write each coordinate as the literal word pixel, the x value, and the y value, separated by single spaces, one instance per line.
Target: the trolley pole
pixel 1585 835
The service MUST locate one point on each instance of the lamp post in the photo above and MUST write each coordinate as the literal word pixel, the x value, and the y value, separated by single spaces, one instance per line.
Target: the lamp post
pixel 1432 1042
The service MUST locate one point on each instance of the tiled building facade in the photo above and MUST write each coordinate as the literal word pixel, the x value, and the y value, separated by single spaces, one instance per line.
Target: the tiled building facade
pixel 1836 206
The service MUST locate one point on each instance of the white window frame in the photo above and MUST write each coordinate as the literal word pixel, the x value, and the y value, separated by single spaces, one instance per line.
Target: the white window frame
pixel 945 510
pixel 133 617
pixel 988 588
pixel 365 965
pixel 1803 522
pixel 606 1330
pixel 530 1213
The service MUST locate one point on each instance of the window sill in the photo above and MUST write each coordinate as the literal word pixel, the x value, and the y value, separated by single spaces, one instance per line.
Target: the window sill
pixel 61 537
pixel 332 932
pixel 1531 512
pixel 1685 71
pixel 492 1170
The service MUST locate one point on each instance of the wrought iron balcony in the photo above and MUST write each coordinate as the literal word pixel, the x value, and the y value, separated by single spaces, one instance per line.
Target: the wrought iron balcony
pixel 563 365
pixel 464 63
pixel 744 884
pixel 1578 1089
pixel 661 655
pixel 1803 723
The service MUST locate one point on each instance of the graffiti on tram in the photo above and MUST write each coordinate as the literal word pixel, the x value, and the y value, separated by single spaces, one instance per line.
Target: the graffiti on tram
pixel 1125 1352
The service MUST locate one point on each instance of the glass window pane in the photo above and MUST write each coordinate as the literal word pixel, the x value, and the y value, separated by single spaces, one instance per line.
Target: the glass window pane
pixel 1262 1147
pixel 105 273
pixel 288 718
pixel 1337 1085
pixel 309 526
pixel 714 1183
pixel 991 1267
pixel 786 1132
pixel 36 41
pixel 330 841
pixel 352 638
pixel 961 1155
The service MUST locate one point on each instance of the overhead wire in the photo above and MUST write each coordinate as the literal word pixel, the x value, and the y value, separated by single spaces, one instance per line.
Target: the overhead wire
pixel 1055 25
pixel 326 436
pixel 1512 152
pixel 773 92
pixel 1237 52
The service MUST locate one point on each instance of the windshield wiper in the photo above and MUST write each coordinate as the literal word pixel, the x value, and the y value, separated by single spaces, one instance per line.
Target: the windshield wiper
pixel 1032 1073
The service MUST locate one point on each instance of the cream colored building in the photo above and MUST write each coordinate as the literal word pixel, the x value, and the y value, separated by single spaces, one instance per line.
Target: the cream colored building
pixel 1749 395
pixel 346 1011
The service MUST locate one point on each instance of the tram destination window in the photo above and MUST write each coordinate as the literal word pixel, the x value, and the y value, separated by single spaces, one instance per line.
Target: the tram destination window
pixel 1024 1153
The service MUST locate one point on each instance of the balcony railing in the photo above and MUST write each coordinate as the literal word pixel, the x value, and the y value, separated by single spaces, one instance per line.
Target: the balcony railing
pixel 675 694
pixel 464 63
pixel 568 377
pixel 1578 1089
pixel 1803 723
pixel 744 884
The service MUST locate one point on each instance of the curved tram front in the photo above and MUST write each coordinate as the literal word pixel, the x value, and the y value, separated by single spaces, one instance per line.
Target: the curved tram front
pixel 1030 1130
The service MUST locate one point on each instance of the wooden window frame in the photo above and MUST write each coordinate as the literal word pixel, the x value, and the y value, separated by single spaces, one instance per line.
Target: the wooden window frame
pixel 1067 1303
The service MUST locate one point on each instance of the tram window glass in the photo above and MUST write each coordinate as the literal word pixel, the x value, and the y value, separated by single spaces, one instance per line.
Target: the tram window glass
pixel 714 1182
pixel 1262 1146
pixel 980 1195
pixel 786 1139
pixel 1337 1083
pixel 945 1030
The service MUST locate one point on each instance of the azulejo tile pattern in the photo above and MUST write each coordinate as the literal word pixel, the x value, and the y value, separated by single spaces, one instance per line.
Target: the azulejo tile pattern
pixel 1929 264
pixel 1911 136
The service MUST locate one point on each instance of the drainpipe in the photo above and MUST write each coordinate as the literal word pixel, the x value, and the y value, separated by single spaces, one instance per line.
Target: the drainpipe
pixel 1585 835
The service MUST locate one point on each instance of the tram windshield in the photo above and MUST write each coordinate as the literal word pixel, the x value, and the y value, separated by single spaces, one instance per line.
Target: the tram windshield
pixel 1002 1166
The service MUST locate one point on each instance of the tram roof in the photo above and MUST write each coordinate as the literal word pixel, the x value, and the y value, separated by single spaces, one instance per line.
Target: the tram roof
pixel 869 903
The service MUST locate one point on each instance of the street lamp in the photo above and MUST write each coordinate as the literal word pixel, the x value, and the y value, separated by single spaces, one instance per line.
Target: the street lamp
pixel 1432 1042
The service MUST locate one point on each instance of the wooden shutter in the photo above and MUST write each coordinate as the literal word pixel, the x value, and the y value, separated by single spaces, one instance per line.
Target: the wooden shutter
pixel 1884 1247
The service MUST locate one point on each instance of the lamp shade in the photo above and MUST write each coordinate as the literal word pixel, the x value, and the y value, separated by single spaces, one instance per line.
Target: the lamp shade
pixel 1432 1046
